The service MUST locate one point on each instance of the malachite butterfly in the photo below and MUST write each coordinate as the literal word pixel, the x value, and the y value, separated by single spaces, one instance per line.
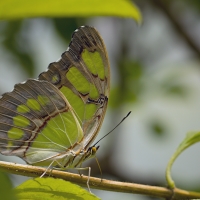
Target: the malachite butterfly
pixel 52 120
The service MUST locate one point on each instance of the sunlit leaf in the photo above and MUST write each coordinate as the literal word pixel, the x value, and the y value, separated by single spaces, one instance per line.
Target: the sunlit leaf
pixel 12 9
pixel 50 188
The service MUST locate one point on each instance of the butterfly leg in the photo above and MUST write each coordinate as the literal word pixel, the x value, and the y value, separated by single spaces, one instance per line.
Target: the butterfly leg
pixel 99 170
pixel 47 169
pixel 89 172
pixel 79 171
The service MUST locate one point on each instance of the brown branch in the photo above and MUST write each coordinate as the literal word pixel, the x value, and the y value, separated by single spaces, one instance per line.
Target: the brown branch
pixel 103 184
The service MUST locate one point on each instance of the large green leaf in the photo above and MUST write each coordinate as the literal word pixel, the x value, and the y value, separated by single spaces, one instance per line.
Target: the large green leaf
pixel 51 189
pixel 12 9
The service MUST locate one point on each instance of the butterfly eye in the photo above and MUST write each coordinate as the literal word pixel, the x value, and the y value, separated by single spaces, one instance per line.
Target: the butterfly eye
pixel 94 150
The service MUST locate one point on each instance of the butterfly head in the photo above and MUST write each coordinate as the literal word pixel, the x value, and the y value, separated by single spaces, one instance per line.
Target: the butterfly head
pixel 91 152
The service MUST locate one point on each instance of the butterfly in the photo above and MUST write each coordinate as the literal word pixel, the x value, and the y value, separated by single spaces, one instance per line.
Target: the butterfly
pixel 53 120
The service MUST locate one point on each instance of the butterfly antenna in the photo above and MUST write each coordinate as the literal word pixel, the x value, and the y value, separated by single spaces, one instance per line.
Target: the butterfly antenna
pixel 112 129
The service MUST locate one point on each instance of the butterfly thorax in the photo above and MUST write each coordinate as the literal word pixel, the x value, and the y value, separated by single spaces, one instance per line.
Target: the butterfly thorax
pixel 75 159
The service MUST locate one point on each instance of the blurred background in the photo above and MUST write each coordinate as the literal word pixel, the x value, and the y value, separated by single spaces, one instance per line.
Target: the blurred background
pixel 155 73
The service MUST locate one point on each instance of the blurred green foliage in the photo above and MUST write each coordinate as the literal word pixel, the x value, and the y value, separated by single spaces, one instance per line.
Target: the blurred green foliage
pixel 6 190
pixel 12 38
pixel 128 86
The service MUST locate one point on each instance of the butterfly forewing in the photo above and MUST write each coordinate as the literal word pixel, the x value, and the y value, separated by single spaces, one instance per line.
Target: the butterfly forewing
pixel 82 75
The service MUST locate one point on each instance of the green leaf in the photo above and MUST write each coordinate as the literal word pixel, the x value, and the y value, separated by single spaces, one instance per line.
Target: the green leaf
pixel 6 190
pixel 12 9
pixel 190 139
pixel 51 189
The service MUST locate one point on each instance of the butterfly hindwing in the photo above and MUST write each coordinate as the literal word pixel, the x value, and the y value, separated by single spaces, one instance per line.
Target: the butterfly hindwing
pixel 33 118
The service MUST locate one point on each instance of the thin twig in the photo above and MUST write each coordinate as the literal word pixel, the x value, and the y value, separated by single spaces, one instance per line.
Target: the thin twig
pixel 97 183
